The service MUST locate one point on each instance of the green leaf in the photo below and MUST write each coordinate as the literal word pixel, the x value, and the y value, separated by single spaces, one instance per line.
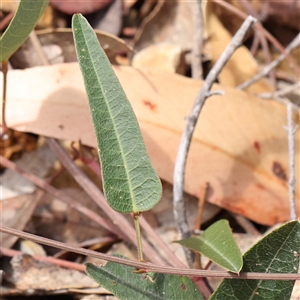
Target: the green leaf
pixel 129 179
pixel 24 21
pixel 125 284
pixel 217 243
pixel 278 252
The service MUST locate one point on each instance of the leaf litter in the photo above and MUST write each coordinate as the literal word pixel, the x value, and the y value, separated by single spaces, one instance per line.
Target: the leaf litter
pixel 239 157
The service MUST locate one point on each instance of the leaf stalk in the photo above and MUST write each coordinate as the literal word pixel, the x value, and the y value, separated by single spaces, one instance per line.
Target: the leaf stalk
pixel 138 235
pixel 4 80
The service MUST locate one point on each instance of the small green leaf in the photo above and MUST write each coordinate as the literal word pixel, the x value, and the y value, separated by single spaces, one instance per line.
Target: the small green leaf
pixel 129 179
pixel 217 243
pixel 125 284
pixel 24 21
pixel 278 252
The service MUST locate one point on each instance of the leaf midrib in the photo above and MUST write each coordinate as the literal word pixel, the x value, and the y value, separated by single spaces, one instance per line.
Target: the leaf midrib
pixel 216 250
pixel 93 63
pixel 267 269
pixel 127 283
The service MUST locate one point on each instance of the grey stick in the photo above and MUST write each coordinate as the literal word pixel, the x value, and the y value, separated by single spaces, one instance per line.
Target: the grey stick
pixel 191 121
pixel 291 130
pixel 267 69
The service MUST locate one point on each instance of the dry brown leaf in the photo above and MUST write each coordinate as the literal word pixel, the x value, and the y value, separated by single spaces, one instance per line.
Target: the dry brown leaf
pixel 60 41
pixel 229 18
pixel 239 145
pixel 19 196
pixel 15 213
pixel 169 22
pixel 241 66
pixel 280 13
pixel 54 218
pixel 127 4
pixel 26 271
pixel 285 13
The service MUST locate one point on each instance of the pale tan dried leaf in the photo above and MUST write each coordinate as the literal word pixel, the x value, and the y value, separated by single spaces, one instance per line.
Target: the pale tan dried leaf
pixel 34 275
pixel 19 196
pixel 239 145
pixel 241 66
pixel 161 57
pixel 169 22
pixel 15 213
pixel 32 248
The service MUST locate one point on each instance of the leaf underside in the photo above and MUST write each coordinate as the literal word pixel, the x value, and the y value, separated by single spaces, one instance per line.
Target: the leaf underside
pixel 23 22
pixel 278 252
pixel 129 179
pixel 125 284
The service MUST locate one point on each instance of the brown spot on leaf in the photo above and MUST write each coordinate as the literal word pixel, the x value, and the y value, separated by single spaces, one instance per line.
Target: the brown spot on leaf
pixel 62 71
pixel 256 145
pixel 259 186
pixel 183 286
pixel 278 171
pixel 150 105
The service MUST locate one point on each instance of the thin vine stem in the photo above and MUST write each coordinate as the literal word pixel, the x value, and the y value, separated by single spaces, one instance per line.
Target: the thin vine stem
pixel 136 218
pixel 4 84
pixel 148 267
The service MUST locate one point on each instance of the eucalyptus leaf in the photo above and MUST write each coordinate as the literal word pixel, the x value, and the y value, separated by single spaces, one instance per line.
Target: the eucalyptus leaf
pixel 130 182
pixel 217 243
pixel 126 284
pixel 23 22
pixel 278 252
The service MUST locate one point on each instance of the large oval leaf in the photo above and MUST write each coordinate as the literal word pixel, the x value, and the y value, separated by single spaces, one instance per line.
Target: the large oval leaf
pixel 277 252
pixel 26 17
pixel 130 182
